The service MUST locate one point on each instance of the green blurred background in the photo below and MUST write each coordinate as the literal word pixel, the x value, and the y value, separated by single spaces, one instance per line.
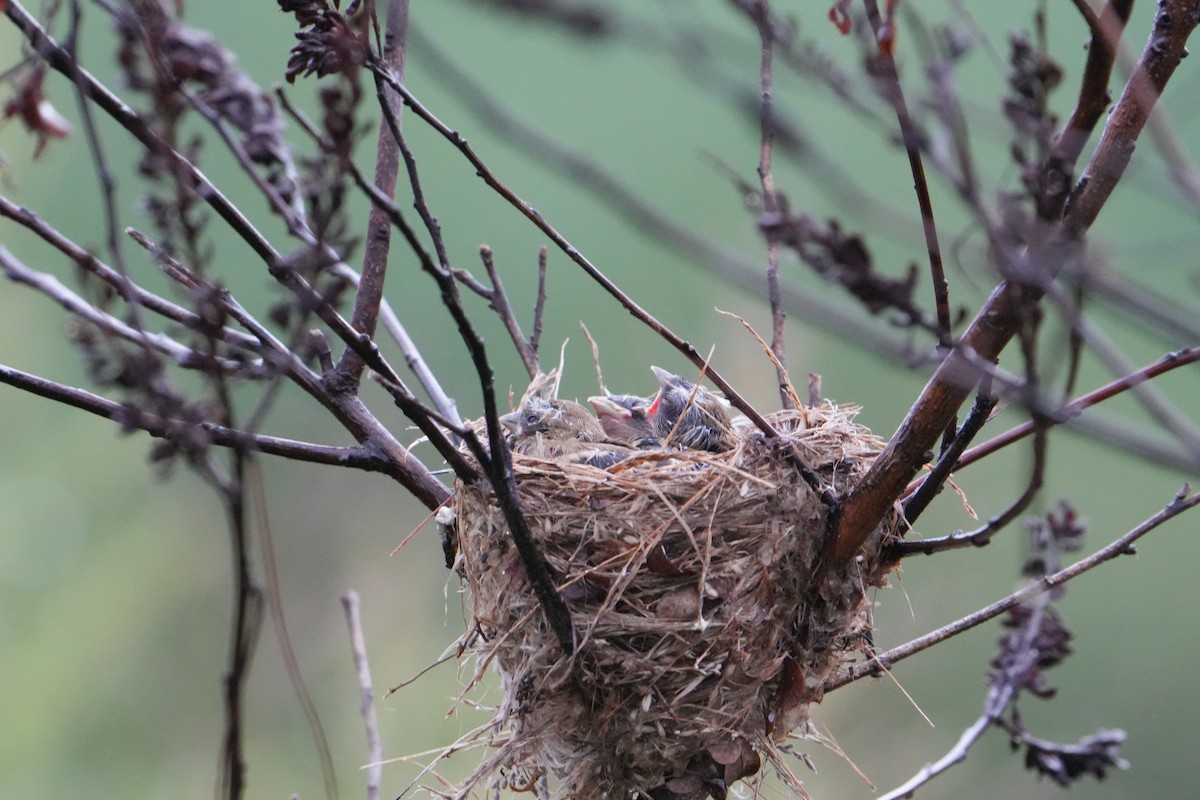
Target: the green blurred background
pixel 116 587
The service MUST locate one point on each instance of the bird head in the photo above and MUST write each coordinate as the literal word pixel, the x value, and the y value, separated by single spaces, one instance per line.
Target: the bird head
pixel 553 419
pixel 626 418
pixel 687 415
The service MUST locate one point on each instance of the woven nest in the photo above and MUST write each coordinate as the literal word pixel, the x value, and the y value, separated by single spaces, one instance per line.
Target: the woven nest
pixel 703 635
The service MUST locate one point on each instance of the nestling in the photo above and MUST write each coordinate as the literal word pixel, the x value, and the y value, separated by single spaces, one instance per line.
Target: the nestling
pixel 626 419
pixel 562 430
pixel 686 415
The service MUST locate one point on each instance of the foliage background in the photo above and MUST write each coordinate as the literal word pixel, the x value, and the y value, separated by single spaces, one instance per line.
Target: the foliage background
pixel 115 585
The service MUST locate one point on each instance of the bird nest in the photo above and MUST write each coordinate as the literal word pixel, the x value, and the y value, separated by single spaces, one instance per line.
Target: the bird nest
pixel 706 614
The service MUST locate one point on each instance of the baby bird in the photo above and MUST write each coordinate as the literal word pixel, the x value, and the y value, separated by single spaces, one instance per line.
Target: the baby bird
pixel 684 415
pixel 562 429
pixel 626 419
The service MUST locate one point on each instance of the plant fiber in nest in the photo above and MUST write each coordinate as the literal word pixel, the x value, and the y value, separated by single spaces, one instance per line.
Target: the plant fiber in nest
pixel 705 617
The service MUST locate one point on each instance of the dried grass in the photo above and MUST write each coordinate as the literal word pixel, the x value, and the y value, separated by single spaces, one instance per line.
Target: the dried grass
pixel 706 621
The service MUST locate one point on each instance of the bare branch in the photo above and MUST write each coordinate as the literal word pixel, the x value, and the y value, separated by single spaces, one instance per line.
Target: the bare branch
pixel 50 286
pixel 759 12
pixel 1121 546
pixel 539 305
pixel 363 458
pixel 893 90
pixel 1165 364
pixel 997 321
pixel 387 167
pixel 128 290
pixel 358 647
pixel 484 172
pixel 412 356
pixel 645 217
pixel 498 301
pixel 1094 98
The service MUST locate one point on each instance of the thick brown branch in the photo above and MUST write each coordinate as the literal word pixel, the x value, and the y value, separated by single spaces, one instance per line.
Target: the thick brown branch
pixel 996 323
pixel 1094 98
pixel 1173 25
pixel 387 167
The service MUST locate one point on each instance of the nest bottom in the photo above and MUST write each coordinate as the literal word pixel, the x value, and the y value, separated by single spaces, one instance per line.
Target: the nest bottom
pixel 707 621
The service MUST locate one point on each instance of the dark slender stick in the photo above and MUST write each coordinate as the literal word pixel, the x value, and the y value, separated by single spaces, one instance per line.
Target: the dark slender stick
pixel 893 90
pixel 412 356
pixel 539 305
pixel 947 461
pixel 104 175
pixel 759 11
pixel 983 535
pixel 645 217
pixel 486 174
pixel 244 635
pixel 496 459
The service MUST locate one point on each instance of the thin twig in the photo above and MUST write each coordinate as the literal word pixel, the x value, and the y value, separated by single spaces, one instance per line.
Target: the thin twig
pixel 412 356
pixel 274 596
pixel 1155 401
pixel 534 216
pixel 893 90
pixel 350 412
pixel 498 301
pixel 983 535
pixel 1121 546
pixel 1165 364
pixel 358 647
pixel 244 635
pixel 104 175
pixel 999 697
pixel 641 214
pixel 130 291
pixel 495 458
pixel 363 458
pixel 53 288
pixel 759 11
pixel 947 462
pixel 539 305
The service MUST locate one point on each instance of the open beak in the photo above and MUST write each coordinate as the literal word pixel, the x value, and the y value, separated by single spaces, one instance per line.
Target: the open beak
pixel 665 379
pixel 605 407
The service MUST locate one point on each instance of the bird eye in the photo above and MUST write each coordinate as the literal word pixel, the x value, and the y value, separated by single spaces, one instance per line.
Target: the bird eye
pixel 531 419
